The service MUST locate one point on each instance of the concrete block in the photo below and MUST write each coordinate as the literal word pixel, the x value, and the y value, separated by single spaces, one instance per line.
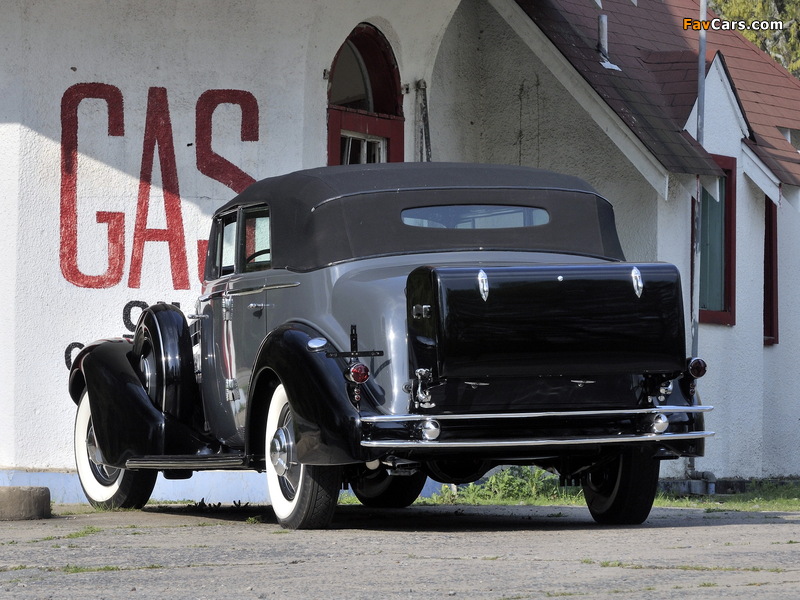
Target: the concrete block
pixel 20 503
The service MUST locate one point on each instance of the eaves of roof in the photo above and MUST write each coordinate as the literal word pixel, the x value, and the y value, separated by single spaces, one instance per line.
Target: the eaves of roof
pixel 655 88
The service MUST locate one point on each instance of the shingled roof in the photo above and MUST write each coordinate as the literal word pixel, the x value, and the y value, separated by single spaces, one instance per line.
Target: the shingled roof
pixel 655 87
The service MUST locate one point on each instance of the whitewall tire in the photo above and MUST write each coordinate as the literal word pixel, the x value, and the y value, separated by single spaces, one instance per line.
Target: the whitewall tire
pixel 302 496
pixel 106 487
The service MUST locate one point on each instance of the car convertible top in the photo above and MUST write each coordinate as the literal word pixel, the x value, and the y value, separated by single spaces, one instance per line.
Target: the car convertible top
pixel 353 212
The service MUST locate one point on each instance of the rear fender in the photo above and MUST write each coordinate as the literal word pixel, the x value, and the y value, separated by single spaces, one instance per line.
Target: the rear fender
pixel 327 424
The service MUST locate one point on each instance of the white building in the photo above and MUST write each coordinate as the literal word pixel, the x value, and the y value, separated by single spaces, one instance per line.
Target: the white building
pixel 124 124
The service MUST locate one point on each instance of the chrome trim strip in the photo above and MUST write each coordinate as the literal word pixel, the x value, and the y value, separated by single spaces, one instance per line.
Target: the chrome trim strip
pixel 457 187
pixel 566 441
pixel 261 288
pixel 207 297
pixel 537 415
pixel 244 291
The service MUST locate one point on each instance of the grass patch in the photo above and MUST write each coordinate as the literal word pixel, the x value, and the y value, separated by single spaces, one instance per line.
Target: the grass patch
pixel 346 497
pixel 699 568
pixel 77 569
pixel 99 569
pixel 90 530
pixel 532 486
pixel 255 520
pixel 763 496
pixel 514 485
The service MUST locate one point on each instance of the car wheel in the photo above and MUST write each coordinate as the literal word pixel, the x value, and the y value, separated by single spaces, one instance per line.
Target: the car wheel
pixel 378 489
pixel 106 487
pixel 621 492
pixel 302 496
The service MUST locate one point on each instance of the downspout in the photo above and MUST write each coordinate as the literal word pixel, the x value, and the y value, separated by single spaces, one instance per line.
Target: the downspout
pixel 691 472
pixel 701 109
pixel 701 74
pixel 424 132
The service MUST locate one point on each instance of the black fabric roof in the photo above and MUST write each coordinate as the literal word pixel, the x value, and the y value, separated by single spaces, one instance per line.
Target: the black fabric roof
pixel 332 214
pixel 305 189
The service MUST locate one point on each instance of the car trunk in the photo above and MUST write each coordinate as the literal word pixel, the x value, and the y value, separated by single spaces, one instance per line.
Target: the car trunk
pixel 571 320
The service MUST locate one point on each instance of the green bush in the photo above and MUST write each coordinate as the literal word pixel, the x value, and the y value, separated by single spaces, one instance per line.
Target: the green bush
pixel 512 485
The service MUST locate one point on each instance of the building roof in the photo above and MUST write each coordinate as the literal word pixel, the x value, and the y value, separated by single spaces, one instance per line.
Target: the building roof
pixel 655 88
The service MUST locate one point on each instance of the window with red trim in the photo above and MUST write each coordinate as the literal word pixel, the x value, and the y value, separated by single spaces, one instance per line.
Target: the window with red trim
pixel 770 273
pixel 365 103
pixel 718 249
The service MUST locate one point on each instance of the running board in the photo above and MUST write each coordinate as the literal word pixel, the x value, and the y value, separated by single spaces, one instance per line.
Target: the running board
pixel 191 462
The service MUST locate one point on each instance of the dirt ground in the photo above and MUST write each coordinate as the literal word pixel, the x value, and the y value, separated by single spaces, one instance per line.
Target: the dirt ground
pixel 179 552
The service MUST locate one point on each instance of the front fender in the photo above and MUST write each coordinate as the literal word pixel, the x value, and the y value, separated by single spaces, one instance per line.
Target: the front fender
pixel 327 425
pixel 77 380
pixel 126 424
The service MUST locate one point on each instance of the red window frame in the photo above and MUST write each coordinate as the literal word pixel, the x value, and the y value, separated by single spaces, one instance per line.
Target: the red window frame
pixel 770 273
pixel 387 121
pixel 727 316
pixel 347 119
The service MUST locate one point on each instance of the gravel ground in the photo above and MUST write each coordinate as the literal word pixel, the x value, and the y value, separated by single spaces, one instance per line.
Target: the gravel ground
pixel 180 552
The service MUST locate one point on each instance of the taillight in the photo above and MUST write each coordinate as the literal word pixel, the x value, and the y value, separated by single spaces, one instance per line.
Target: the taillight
pixel 357 373
pixel 697 367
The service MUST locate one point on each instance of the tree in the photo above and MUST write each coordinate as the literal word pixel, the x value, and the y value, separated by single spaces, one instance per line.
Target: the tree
pixel 782 44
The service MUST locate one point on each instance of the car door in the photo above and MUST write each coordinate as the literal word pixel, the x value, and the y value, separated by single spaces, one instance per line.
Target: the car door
pixel 234 316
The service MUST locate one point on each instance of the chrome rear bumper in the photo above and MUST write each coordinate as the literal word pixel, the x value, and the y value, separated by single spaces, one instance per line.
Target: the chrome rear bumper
pixel 416 420
pixel 520 443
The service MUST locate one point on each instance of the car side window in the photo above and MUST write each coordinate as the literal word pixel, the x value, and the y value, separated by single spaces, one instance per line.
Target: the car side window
pixel 255 241
pixel 226 251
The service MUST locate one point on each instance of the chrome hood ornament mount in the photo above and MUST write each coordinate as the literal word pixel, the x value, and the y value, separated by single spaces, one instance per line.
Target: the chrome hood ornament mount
pixel 638 282
pixel 483 285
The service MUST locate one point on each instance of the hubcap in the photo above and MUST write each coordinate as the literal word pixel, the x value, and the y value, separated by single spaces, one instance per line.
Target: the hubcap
pixel 147 369
pixel 279 451
pixel 144 367
pixel 282 457
pixel 104 474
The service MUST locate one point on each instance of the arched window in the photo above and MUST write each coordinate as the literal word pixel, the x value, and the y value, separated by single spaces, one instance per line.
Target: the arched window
pixel 365 103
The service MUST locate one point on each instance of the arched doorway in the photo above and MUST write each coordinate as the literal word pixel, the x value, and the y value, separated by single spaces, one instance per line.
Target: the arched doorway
pixel 365 103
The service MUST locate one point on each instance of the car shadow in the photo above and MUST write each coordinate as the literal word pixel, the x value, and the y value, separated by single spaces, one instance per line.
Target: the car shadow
pixel 459 518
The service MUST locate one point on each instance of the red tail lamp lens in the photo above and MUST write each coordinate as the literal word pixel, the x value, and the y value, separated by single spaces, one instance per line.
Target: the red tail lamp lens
pixel 697 367
pixel 357 373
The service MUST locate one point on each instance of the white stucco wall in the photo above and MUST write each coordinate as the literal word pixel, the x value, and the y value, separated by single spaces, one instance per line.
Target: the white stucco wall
pixel 10 134
pixel 781 422
pixel 750 385
pixel 493 100
pixel 272 53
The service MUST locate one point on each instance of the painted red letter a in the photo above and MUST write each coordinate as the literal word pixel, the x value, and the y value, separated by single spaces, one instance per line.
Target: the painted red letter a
pixel 158 132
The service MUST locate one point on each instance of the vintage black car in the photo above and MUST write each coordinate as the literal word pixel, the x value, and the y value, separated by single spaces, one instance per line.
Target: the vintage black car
pixel 377 325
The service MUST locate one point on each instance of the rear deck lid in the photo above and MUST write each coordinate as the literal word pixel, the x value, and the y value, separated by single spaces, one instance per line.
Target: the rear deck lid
pixel 546 320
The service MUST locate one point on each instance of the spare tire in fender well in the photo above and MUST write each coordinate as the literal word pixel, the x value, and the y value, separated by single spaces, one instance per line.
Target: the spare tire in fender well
pixel 162 329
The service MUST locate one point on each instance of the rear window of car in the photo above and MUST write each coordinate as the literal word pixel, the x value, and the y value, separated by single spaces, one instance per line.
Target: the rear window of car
pixel 475 216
